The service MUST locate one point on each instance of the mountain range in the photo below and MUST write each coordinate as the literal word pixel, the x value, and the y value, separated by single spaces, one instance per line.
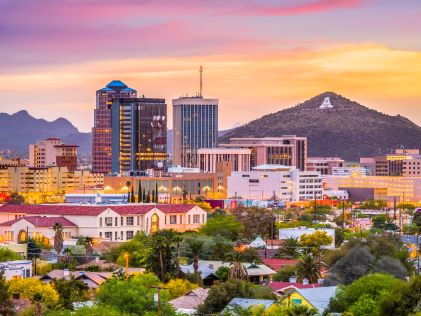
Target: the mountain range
pixel 20 129
pixel 336 126
pixel 333 124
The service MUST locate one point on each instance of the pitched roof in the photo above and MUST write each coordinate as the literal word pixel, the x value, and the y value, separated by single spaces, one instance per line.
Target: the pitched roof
pixel 318 297
pixel 42 221
pixel 248 302
pixel 277 264
pixel 279 286
pixel 190 300
pixel 93 210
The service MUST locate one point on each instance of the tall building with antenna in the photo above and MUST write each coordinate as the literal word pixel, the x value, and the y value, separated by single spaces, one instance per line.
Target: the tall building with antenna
pixel 195 124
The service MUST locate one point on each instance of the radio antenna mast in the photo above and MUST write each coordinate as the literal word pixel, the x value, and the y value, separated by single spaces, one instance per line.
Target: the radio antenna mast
pixel 201 81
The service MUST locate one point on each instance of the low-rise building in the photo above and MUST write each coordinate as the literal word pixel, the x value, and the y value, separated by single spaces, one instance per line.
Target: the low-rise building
pixel 283 183
pixel 349 171
pixel 324 165
pixel 238 157
pixel 189 302
pixel 53 152
pixel 16 269
pixel 105 222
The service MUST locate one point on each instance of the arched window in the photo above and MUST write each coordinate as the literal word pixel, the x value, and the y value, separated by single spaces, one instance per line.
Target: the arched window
pixel 154 223
pixel 22 236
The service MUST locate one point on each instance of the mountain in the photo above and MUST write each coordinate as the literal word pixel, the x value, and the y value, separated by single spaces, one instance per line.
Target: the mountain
pixel 20 129
pixel 341 128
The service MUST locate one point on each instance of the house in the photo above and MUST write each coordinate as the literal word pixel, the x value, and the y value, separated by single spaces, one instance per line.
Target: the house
pixel 104 222
pixel 246 303
pixel 280 288
pixel 257 273
pixel 278 264
pixel 16 269
pixel 92 279
pixel 188 303
pixel 317 298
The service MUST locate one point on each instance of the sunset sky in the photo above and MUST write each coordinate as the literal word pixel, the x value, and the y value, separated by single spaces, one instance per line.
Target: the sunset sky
pixel 259 56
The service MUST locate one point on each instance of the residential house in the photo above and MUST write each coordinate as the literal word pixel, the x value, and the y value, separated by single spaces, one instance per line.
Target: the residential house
pixel 245 303
pixel 281 288
pixel 16 269
pixel 188 303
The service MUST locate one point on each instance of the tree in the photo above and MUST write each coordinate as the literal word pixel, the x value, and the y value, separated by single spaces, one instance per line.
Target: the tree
pixel 70 291
pixel 237 270
pixel 128 185
pixel 6 254
pixel 225 226
pixel 222 273
pixel 220 295
pixel 359 296
pixel 356 263
pixel 58 238
pixel 132 197
pixel 179 287
pixel 373 205
pixel 15 198
pixel 156 193
pixel 134 296
pixel 137 249
pixel 221 249
pixel 195 246
pixel 289 248
pixel 392 266
pixel 144 196
pixel 316 240
pixel 256 221
pixel 300 310
pixel 88 246
pixel 139 192
pixel 96 310
pixel 6 305
pixel 32 288
pixel 34 250
pixel 309 267
pixel 285 273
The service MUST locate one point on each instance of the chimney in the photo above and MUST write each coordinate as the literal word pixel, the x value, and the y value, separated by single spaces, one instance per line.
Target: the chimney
pixel 293 280
pixel 66 272
pixel 305 281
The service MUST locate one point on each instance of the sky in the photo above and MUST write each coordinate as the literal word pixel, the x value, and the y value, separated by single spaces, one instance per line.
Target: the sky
pixel 259 56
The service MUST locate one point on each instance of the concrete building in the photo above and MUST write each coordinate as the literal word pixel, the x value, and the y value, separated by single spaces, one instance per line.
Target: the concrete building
pixel 287 150
pixel 48 182
pixel 53 152
pixel 102 130
pixel 139 134
pixel 195 125
pixel 17 269
pixel 288 184
pixel 105 222
pixel 324 165
pixel 348 171
pixel 404 188
pixel 403 162
pixel 238 157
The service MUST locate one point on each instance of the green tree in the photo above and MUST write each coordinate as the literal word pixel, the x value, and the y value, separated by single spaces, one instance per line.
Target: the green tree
pixel 179 287
pixel 222 273
pixel 195 247
pixel 139 192
pixel 58 238
pixel 134 296
pixel 300 310
pixel 35 290
pixel 290 248
pixel 373 205
pixel 137 249
pixel 225 226
pixel 6 305
pixel 309 267
pixel 15 198
pixel 6 254
pixel 392 266
pixel 221 249
pixel 89 250
pixel 257 221
pixel 237 270
pixel 285 273
pixel 70 291
pixel 34 250
pixel 220 295
pixel 96 310
pixel 132 197
pixel 316 240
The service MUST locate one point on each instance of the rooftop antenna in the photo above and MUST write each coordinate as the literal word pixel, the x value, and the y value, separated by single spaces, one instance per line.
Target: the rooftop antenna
pixel 201 81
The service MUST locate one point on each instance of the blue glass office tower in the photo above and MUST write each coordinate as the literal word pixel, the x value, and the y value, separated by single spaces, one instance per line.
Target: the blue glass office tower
pixel 195 123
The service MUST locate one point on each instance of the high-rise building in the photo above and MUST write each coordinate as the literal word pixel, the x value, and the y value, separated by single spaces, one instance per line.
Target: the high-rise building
pixel 139 134
pixel 287 150
pixel 53 152
pixel 101 132
pixel 195 123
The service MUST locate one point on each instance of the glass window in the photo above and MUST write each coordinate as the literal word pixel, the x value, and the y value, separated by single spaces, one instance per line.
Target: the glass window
pixel 129 235
pixel 100 222
pixel 109 235
pixel 108 221
pixel 173 219
pixel 130 221
pixel 196 219
pixel 154 223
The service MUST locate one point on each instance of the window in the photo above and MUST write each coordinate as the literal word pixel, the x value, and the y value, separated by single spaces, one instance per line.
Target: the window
pixel 121 235
pixel 173 219
pixel 100 222
pixel 154 223
pixel 116 236
pixel 181 219
pixel 108 221
pixel 129 235
pixel 108 235
pixel 116 221
pixel 196 219
pixel 100 234
pixel 138 220
pixel 129 221
pixel 189 219
pixel 296 301
pixel 121 221
pixel 27 273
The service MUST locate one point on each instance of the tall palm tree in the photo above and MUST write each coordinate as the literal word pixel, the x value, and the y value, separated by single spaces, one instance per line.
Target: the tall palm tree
pixel 67 254
pixel 309 267
pixel 196 247
pixel 300 310
pixel 88 246
pixel 58 238
pixel 237 270
pixel 289 248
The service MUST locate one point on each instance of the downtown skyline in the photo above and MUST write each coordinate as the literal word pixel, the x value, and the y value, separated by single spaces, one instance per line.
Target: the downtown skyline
pixel 259 57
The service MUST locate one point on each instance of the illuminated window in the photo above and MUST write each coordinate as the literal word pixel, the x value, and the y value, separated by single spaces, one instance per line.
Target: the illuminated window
pixel 154 223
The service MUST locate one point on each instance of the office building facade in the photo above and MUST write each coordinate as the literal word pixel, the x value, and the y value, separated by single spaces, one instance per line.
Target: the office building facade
pixel 195 123
pixel 52 152
pixel 102 130
pixel 139 134
pixel 238 157
pixel 288 150
pixel 324 165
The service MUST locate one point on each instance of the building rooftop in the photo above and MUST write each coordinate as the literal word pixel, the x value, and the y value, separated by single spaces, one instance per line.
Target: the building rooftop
pixel 190 300
pixel 247 302
pixel 41 221
pixel 318 297
pixel 280 286
pixel 116 84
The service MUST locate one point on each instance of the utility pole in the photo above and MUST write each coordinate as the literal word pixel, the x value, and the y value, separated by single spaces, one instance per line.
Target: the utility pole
pixel 157 298
pixel 201 81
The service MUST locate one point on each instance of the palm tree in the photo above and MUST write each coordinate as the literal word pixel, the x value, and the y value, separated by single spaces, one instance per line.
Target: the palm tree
pixel 300 310
pixel 237 270
pixel 67 254
pixel 195 246
pixel 309 267
pixel 88 246
pixel 128 184
pixel 289 248
pixel 58 238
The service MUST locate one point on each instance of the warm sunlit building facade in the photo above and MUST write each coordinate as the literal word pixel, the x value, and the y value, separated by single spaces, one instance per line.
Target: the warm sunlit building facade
pixel 238 157
pixel 53 152
pixel 102 130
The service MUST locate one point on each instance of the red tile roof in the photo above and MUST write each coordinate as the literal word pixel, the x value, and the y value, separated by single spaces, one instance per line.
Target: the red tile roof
pixel 41 221
pixel 92 210
pixel 277 264
pixel 279 286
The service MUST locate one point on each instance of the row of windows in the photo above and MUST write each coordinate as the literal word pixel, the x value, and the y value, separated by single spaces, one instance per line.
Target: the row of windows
pixel 108 221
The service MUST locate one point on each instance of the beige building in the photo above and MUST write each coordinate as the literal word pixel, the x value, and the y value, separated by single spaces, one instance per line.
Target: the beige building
pixel 238 157
pixel 52 152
